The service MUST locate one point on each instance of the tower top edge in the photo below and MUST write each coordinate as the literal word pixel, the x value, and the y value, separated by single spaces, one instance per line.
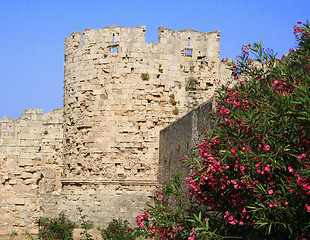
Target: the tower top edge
pixel 143 27
pixel 188 30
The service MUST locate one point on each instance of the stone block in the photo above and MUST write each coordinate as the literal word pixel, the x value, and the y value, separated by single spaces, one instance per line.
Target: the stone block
pixel 16 200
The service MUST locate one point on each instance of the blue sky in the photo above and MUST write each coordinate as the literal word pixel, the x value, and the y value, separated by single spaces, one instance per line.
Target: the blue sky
pixel 33 33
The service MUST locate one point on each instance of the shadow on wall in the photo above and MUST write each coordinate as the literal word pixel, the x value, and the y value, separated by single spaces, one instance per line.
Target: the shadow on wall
pixel 180 139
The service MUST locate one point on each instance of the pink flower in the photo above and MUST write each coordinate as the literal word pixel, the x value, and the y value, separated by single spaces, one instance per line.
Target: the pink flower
pixel 290 169
pixel 307 208
pixel 299 22
pixel 270 191
pixel 233 150
pixel 227 111
pixel 266 147
pixel 297 30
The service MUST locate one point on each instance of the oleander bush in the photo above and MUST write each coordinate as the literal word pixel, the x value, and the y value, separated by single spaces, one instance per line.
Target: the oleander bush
pixel 252 177
pixel 118 230
pixel 55 228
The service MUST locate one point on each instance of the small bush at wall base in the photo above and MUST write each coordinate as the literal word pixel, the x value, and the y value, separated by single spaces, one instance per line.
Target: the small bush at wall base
pixel 86 226
pixel 14 233
pixel 56 228
pixel 118 230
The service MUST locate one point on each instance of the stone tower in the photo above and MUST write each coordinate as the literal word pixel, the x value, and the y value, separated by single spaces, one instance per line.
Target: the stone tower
pixel 119 92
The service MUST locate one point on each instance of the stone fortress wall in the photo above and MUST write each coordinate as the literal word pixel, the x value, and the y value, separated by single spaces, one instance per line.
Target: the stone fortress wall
pixel 30 166
pixel 99 155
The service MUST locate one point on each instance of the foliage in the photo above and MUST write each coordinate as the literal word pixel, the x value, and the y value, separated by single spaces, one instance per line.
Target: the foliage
pixel 14 233
pixel 145 76
pixel 192 81
pixel 28 235
pixel 175 215
pixel 175 111
pixel 56 228
pixel 86 226
pixel 172 100
pixel 118 230
pixel 254 164
pixel 251 180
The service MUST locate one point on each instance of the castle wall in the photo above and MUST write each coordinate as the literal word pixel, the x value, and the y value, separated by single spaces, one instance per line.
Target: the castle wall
pixel 119 92
pixel 99 154
pixel 51 162
pixel 181 139
pixel 23 173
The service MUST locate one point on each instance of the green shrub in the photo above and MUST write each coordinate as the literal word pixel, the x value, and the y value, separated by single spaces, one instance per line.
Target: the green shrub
pixel 192 81
pixel 86 226
pixel 118 230
pixel 175 214
pixel 56 228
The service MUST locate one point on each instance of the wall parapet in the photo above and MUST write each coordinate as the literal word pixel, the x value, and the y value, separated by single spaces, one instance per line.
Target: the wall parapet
pixel 117 39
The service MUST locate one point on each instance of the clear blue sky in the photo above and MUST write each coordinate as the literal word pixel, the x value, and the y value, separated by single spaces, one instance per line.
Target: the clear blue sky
pixel 33 33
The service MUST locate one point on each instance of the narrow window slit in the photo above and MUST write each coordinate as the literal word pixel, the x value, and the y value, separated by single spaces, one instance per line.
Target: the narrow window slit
pixel 113 49
pixel 189 51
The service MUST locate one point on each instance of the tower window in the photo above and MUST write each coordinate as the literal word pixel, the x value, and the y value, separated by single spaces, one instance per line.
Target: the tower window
pixel 113 49
pixel 189 52
pixel 189 41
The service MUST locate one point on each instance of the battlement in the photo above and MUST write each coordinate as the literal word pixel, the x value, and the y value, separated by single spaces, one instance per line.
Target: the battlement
pixel 117 40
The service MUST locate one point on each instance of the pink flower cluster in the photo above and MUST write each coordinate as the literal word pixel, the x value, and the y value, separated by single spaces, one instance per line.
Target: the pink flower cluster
pixel 142 219
pixel 156 231
pixel 283 87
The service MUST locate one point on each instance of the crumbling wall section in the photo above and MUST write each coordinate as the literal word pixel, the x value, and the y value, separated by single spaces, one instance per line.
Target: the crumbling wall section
pixel 51 162
pixel 20 158
pixel 30 167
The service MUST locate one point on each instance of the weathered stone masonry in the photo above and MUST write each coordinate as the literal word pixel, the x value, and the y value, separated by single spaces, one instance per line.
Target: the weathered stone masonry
pixel 100 151
pixel 30 167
